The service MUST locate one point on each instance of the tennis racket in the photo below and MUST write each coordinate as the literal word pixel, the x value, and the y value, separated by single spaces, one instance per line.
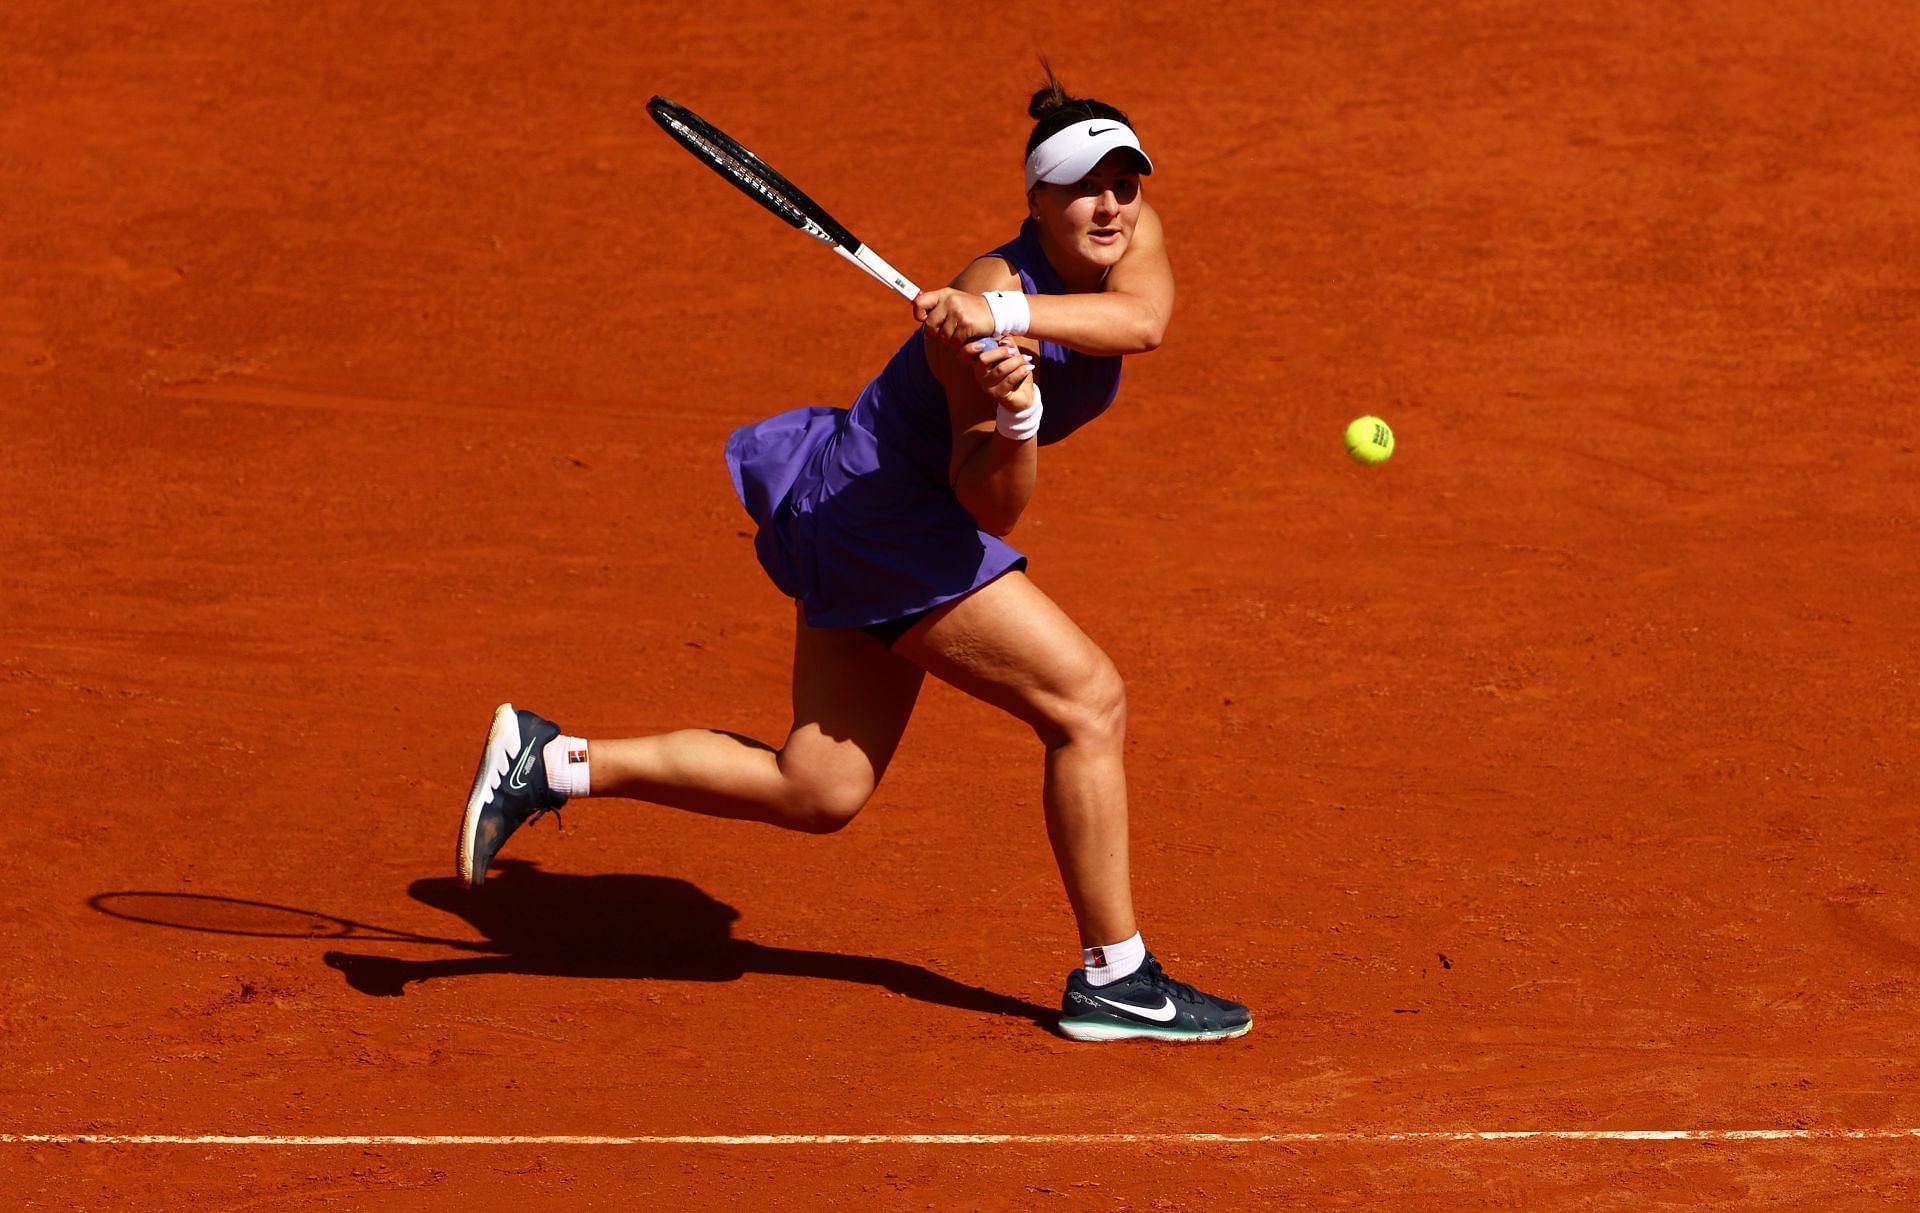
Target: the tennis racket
pixel 751 176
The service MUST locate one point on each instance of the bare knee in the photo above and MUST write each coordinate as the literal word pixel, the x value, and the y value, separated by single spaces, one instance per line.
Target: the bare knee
pixel 1095 714
pixel 825 806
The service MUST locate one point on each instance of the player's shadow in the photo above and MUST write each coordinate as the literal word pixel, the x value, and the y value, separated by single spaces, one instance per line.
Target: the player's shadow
pixel 541 924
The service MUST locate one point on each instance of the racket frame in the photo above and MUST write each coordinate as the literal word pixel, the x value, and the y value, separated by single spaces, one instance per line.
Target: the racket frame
pixel 781 197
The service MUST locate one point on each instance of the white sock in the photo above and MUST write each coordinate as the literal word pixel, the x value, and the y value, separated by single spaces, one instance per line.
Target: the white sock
pixel 1109 963
pixel 568 771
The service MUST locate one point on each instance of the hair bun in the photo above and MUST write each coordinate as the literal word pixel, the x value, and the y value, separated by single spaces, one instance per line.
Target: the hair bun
pixel 1047 100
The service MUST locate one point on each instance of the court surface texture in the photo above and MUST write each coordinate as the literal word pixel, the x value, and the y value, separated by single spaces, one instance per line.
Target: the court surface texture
pixel 1549 792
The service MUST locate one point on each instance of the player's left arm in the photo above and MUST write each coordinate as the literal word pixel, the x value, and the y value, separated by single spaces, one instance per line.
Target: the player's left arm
pixel 1131 312
pixel 1128 315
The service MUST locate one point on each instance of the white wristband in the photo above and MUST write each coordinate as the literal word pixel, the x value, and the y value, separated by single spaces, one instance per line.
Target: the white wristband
pixel 1022 424
pixel 1011 313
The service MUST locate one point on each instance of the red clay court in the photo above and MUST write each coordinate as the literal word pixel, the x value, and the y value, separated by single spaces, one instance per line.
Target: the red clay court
pixel 362 367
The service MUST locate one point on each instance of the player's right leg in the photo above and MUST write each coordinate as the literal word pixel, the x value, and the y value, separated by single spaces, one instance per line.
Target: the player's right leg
pixel 509 790
pixel 851 701
pixel 852 698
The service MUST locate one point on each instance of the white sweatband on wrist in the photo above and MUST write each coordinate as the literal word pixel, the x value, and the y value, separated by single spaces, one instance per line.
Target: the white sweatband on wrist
pixel 1022 424
pixel 1011 313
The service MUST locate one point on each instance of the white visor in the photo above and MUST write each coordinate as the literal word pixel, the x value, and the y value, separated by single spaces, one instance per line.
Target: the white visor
pixel 1067 156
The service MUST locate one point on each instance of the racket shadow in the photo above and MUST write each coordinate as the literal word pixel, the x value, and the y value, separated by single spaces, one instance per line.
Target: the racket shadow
pixel 636 928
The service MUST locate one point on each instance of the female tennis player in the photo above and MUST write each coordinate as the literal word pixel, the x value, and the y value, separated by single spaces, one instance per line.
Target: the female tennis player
pixel 885 523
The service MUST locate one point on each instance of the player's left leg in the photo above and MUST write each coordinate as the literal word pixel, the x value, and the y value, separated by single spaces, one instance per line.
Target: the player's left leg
pixel 1008 644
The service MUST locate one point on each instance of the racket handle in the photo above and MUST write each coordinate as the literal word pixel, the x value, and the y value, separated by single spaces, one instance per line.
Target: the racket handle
pixel 876 265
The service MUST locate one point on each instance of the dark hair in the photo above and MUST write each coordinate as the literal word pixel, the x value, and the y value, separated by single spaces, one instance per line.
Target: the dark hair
pixel 1055 109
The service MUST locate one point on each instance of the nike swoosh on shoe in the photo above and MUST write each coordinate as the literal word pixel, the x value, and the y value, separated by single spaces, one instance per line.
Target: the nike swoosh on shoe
pixel 1160 1014
pixel 518 780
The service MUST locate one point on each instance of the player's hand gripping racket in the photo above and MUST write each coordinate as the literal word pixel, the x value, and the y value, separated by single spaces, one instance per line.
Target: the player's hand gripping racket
pixel 752 177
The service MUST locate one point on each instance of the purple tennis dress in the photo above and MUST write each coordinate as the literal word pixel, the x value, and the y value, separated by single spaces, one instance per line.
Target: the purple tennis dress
pixel 856 517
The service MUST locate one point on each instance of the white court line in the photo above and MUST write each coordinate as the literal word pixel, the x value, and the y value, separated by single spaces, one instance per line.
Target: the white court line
pixel 1357 1137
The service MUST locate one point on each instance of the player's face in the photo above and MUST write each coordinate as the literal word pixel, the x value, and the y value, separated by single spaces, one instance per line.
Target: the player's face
pixel 1091 221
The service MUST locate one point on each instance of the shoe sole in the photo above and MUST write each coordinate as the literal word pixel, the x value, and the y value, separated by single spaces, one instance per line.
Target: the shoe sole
pixel 503 741
pixel 1084 1031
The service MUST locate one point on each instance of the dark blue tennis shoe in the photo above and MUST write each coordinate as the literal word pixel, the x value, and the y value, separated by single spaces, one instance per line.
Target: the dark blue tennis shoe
pixel 1148 1005
pixel 509 790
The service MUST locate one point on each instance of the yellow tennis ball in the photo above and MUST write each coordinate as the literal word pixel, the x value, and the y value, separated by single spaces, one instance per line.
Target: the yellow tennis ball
pixel 1369 441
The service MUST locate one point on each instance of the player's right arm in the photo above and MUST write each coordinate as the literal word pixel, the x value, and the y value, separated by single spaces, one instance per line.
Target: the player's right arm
pixel 991 474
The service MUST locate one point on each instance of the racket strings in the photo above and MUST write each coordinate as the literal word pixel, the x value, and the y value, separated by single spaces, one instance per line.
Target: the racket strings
pixel 730 164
